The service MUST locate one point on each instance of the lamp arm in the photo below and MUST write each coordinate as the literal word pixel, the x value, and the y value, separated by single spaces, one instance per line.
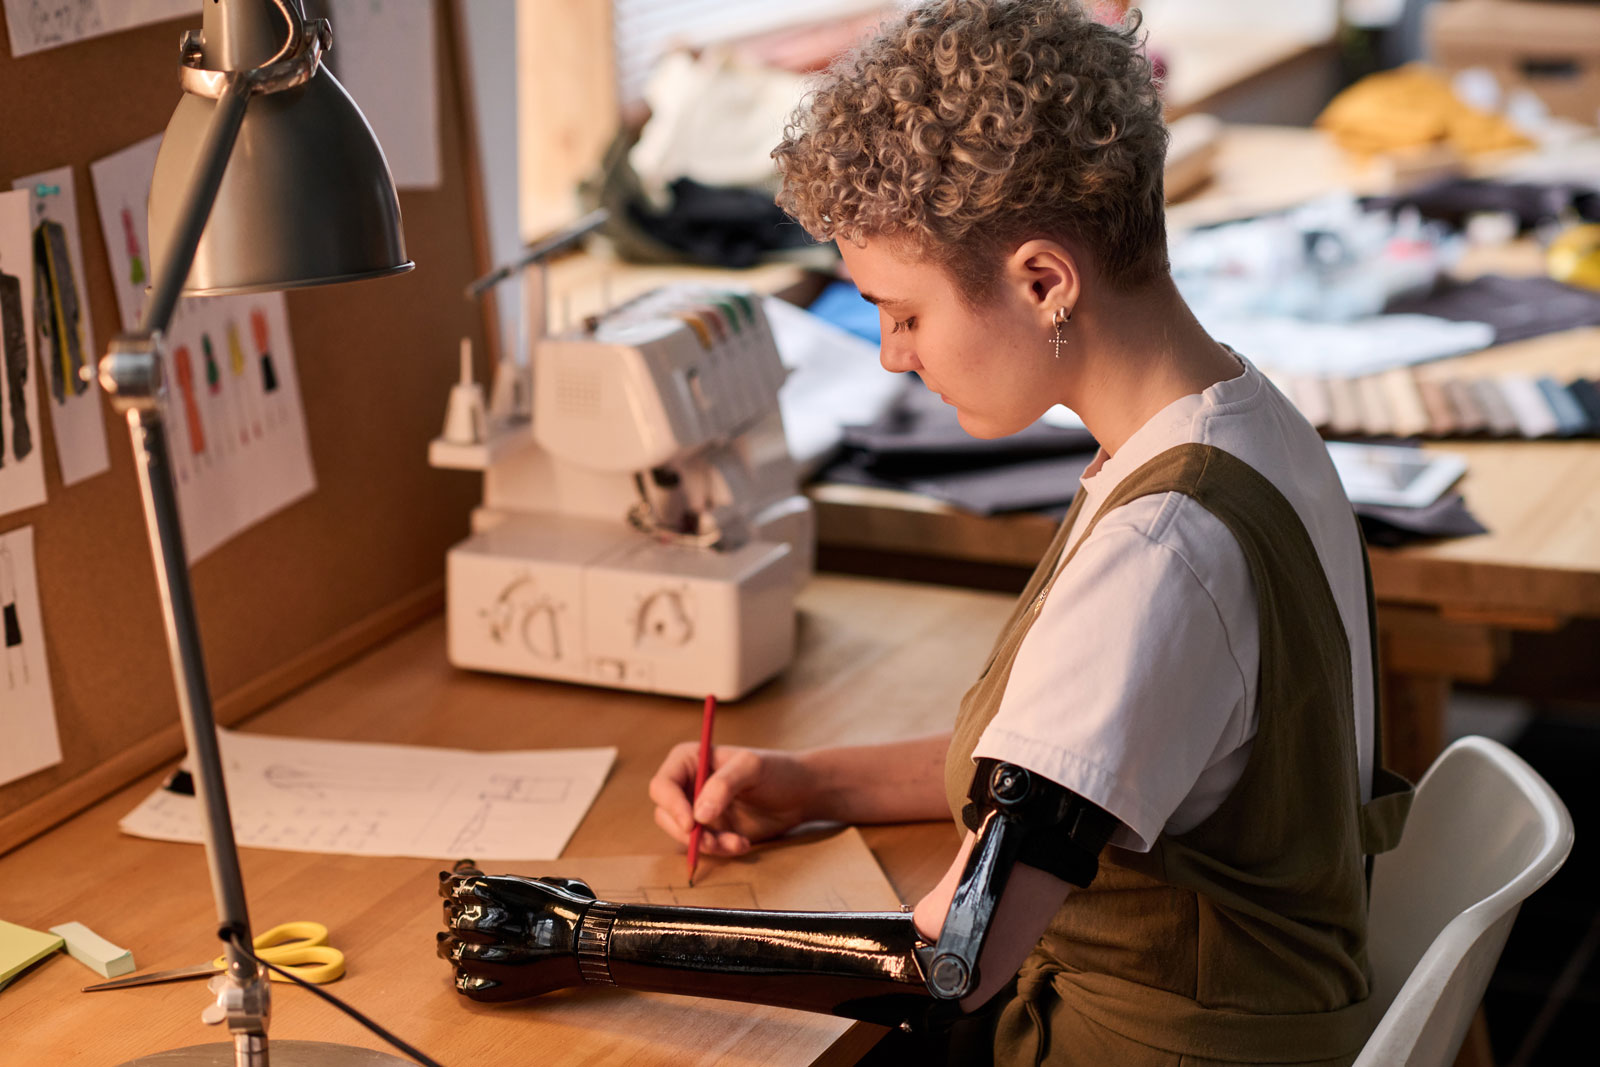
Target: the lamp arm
pixel 131 375
pixel 215 149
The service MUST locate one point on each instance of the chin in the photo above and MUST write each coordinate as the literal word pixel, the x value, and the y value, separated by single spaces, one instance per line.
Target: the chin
pixel 985 429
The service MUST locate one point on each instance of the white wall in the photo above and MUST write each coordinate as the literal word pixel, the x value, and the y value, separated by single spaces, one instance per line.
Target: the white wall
pixel 491 57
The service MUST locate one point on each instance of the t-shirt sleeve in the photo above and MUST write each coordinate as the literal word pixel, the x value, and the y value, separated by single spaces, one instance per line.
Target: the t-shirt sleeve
pixel 1125 689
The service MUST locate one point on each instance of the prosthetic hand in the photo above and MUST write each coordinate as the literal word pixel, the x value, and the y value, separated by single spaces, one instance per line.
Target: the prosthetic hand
pixel 511 937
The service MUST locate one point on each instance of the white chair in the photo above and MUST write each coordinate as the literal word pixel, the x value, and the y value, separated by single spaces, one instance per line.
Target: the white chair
pixel 1485 832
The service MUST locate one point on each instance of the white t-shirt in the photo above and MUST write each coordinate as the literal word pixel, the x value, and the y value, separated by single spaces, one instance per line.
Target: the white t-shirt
pixel 1136 685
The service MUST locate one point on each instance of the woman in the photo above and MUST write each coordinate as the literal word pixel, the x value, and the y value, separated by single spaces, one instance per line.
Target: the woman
pixel 1193 655
pixel 992 173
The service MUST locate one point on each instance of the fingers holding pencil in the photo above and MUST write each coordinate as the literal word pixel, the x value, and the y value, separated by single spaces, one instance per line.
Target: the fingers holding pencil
pixel 750 795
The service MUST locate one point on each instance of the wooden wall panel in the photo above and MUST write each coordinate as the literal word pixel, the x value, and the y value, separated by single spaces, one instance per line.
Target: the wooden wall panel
pixel 315 583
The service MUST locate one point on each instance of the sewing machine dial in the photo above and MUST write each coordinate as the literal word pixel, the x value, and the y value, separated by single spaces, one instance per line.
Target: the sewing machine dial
pixel 663 620
pixel 522 615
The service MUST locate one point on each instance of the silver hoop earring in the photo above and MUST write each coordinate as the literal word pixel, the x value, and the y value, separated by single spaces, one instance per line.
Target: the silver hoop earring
pixel 1060 319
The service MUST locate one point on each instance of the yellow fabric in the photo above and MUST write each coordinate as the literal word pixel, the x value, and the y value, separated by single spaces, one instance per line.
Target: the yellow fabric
pixel 1242 940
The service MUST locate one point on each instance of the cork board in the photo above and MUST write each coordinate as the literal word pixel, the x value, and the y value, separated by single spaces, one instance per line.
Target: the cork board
pixel 311 586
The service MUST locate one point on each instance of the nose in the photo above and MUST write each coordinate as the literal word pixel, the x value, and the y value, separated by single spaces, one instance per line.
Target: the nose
pixel 895 359
pixel 897 354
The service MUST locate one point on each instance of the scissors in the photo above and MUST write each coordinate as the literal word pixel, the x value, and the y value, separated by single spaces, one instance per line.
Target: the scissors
pixel 300 945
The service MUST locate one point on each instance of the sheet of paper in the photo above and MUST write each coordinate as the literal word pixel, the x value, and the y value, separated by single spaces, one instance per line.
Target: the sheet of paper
pixel 834 381
pixel 28 738
pixel 21 948
pixel 390 800
pixel 383 54
pixel 35 25
pixel 21 446
pixel 235 424
pixel 834 873
pixel 72 398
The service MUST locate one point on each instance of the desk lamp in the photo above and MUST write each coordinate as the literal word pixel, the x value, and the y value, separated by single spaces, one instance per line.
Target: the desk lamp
pixel 268 178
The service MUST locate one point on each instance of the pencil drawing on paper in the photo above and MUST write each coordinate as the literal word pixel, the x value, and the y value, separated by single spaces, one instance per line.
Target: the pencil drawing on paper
pixel 515 789
pixel 390 800
pixel 61 21
pixel 728 895
pixel 321 780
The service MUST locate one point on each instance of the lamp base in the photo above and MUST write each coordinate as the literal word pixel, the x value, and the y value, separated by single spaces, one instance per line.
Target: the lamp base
pixel 282 1054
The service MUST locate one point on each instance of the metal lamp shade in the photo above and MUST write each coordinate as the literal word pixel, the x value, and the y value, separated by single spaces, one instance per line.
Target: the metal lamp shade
pixel 307 198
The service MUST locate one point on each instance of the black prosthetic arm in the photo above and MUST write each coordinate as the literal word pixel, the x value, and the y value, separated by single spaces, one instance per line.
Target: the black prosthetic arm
pixel 511 937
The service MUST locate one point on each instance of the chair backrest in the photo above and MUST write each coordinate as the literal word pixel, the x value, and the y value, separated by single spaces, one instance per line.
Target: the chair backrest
pixel 1485 832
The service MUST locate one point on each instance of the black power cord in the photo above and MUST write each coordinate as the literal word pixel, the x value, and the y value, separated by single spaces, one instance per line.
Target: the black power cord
pixel 233 937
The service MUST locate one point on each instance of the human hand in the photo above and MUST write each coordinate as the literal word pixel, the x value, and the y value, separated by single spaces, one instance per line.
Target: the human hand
pixel 511 937
pixel 751 794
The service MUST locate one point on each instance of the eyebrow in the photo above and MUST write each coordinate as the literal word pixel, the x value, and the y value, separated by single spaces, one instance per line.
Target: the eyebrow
pixel 883 301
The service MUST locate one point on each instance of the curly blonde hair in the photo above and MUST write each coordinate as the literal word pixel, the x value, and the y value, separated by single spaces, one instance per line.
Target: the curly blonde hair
pixel 969 126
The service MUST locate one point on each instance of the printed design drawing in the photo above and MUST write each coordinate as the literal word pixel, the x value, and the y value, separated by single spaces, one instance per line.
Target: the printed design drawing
pixel 13 339
pixel 61 21
pixel 521 790
pixel 16 654
pixel 57 314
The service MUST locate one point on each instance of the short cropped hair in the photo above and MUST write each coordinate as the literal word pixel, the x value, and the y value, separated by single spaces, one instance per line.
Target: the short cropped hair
pixel 970 126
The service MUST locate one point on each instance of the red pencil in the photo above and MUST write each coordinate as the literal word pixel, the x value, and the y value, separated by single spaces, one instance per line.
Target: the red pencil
pixel 702 767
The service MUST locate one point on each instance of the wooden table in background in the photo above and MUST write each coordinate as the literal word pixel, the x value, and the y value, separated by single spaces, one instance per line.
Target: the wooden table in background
pixel 876 660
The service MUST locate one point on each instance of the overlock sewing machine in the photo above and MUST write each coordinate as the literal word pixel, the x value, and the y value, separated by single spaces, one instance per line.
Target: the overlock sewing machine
pixel 641 524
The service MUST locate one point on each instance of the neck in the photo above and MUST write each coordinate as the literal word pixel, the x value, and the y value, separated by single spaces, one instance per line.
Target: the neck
pixel 1137 352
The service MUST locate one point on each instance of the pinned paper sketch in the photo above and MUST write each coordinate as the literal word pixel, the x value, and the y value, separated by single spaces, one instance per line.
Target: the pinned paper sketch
pixel 21 462
pixel 236 428
pixel 35 25
pixel 383 54
pixel 65 336
pixel 28 738
pixel 390 800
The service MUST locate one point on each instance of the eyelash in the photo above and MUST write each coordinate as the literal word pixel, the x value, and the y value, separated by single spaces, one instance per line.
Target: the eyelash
pixel 906 325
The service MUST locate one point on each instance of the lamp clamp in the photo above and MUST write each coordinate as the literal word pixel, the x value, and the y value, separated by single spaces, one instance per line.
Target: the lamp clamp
pixel 131 372
pixel 291 66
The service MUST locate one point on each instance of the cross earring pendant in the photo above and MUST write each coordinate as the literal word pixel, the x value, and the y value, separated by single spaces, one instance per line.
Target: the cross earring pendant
pixel 1059 341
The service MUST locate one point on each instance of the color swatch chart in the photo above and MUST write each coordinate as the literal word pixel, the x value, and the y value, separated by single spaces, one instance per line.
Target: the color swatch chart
pixel 235 425
pixel 1399 403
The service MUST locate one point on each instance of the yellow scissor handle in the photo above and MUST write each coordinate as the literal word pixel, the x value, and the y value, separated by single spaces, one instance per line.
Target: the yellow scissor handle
pixel 300 945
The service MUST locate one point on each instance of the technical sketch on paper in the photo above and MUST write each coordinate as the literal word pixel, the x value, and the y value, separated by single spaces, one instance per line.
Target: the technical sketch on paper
pixel 29 740
pixel 35 25
pixel 390 800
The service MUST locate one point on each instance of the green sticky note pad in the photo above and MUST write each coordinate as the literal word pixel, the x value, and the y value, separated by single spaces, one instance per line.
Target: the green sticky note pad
pixel 21 948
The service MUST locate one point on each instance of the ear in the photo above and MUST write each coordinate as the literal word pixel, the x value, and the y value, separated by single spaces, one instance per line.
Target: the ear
pixel 1045 273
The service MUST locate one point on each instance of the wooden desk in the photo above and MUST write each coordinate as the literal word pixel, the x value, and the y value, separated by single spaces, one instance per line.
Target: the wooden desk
pixel 876 660
pixel 1446 608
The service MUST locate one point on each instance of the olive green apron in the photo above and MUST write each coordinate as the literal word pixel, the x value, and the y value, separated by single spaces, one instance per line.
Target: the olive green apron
pixel 1244 939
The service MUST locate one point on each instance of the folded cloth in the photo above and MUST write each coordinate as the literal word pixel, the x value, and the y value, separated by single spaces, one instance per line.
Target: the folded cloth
pixel 919 447
pixel 1390 527
pixel 1516 308
pixel 1028 485
pixel 1453 200
pixel 920 434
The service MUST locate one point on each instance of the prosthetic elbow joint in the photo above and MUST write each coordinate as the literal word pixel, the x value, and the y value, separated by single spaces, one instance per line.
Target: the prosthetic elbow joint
pixel 1018 816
